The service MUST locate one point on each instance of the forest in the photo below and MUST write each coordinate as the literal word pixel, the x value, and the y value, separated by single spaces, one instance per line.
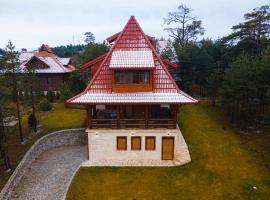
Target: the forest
pixel 232 71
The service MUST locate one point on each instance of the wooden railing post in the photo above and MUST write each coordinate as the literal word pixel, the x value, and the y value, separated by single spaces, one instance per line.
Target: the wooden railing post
pixel 89 114
pixel 118 116
pixel 146 116
pixel 175 111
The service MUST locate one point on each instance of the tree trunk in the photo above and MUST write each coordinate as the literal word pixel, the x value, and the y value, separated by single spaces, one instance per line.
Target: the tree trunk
pixel 33 105
pixel 3 146
pixel 18 113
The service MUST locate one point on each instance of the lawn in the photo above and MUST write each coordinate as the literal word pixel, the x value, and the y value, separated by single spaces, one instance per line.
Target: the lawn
pixel 225 165
pixel 57 119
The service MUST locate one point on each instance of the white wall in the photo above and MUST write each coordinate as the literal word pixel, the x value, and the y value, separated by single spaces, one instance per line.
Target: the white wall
pixel 103 147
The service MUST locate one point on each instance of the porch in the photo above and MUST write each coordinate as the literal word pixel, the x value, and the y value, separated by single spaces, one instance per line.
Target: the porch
pixel 131 116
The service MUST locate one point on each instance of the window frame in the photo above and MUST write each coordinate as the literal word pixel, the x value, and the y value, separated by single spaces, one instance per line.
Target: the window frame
pixel 126 75
pixel 117 145
pixel 150 137
pixel 136 137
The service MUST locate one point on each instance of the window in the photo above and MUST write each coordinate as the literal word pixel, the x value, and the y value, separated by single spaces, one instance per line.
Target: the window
pixel 121 143
pixel 136 143
pixel 150 143
pixel 139 77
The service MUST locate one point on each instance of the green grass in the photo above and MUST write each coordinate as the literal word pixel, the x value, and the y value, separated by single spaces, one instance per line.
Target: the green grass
pixel 222 167
pixel 57 119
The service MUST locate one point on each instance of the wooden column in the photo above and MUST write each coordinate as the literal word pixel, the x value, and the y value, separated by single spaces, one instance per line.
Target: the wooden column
pixel 175 110
pixel 146 116
pixel 89 114
pixel 118 116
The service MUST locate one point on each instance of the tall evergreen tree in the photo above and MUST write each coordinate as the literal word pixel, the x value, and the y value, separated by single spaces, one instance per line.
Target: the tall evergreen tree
pixel 31 87
pixel 252 35
pixel 11 65
pixel 4 94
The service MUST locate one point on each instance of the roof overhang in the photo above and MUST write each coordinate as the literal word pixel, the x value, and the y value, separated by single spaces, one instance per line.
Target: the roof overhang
pixel 131 98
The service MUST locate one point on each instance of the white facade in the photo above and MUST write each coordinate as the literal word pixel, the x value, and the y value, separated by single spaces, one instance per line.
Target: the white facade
pixel 102 148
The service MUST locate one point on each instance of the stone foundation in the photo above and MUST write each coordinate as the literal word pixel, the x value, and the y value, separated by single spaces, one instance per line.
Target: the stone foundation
pixel 103 148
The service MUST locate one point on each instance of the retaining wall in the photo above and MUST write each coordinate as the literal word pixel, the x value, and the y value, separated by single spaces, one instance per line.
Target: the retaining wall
pixel 52 140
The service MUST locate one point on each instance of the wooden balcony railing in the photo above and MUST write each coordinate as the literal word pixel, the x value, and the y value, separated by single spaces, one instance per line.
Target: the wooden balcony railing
pixel 132 123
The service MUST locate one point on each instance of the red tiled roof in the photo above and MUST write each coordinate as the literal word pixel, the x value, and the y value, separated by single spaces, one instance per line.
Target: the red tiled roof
pixel 45 47
pixel 168 63
pixel 99 90
pixel 45 54
pixel 93 62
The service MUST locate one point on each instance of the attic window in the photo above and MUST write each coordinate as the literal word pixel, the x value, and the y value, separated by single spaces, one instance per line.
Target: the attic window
pixel 138 77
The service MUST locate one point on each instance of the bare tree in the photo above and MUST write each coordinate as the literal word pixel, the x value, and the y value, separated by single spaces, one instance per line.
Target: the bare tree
pixel 184 27
pixel 89 38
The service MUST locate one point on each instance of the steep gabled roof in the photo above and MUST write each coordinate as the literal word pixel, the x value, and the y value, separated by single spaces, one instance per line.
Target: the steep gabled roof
pixel 45 47
pixel 114 37
pixel 98 61
pixel 133 40
pixel 93 62
pixel 45 55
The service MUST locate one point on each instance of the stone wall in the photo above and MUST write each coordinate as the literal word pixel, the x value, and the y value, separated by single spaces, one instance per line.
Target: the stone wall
pixel 103 148
pixel 55 139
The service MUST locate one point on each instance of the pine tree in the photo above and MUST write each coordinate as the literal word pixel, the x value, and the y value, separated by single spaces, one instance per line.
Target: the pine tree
pixel 12 67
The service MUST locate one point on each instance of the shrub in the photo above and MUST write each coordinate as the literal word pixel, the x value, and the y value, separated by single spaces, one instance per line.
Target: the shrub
pixel 45 105
pixel 32 122
pixel 57 96
pixel 50 96
pixel 65 91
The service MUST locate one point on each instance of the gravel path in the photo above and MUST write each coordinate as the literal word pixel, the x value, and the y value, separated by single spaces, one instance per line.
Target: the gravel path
pixel 49 175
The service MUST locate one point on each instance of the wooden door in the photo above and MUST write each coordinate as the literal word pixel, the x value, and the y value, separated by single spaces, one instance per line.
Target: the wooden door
pixel 167 148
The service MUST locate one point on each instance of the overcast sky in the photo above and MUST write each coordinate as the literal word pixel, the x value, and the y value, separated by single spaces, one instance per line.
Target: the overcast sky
pixel 29 23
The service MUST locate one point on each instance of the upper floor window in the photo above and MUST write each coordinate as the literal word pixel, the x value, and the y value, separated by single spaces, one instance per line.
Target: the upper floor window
pixel 139 77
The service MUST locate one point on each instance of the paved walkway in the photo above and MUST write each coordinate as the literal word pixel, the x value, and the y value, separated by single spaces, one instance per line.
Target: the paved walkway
pixel 49 175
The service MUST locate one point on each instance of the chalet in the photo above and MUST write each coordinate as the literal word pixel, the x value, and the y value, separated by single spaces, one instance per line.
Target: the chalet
pixel 132 103
pixel 50 69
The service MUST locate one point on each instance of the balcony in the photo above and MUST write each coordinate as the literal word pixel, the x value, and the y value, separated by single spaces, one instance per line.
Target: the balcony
pixel 141 117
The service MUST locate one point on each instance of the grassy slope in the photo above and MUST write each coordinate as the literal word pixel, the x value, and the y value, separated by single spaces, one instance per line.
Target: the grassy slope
pixel 59 118
pixel 221 168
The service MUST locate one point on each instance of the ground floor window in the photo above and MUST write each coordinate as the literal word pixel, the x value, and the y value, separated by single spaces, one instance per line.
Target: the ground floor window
pixel 136 143
pixel 150 143
pixel 121 142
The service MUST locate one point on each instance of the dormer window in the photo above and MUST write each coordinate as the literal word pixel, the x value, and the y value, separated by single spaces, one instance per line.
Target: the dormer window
pixel 133 77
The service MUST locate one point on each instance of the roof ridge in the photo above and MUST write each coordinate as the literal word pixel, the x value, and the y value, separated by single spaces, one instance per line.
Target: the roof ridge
pixel 157 56
pixel 108 54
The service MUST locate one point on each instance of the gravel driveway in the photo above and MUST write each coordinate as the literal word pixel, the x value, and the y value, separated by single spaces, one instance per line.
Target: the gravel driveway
pixel 49 175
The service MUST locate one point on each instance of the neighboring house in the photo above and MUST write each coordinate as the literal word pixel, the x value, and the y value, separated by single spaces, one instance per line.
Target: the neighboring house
pixel 50 69
pixel 132 103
